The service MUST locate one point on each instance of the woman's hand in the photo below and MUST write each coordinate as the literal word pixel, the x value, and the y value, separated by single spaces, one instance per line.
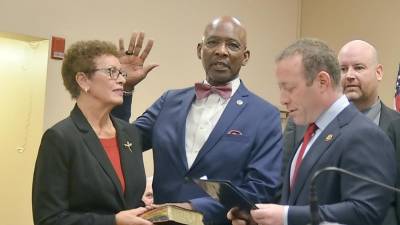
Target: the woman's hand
pixel 131 217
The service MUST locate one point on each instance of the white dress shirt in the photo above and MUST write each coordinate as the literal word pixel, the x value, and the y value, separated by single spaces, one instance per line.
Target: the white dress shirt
pixel 201 120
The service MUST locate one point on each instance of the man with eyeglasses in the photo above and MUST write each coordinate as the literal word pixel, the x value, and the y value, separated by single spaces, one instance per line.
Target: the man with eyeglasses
pixel 217 129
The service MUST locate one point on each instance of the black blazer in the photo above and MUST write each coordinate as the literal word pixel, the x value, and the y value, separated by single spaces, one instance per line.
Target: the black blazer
pixel 74 181
pixel 394 134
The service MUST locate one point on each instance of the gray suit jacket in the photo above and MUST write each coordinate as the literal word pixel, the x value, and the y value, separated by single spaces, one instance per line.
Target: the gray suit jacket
pixel 293 136
pixel 344 199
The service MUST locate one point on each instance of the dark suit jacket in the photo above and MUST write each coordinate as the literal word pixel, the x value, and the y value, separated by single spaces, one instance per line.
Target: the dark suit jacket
pixel 388 115
pixel 394 134
pixel 74 181
pixel 293 136
pixel 344 199
pixel 392 129
pixel 252 160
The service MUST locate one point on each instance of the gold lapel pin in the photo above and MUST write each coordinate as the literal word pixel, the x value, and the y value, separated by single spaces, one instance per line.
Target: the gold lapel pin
pixel 329 137
pixel 128 145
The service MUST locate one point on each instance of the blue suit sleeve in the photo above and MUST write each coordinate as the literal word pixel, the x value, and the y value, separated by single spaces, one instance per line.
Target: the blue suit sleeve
pixel 123 111
pixel 262 180
pixel 146 121
pixel 213 212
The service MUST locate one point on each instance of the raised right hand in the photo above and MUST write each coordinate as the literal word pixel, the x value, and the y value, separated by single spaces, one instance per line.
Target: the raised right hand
pixel 132 60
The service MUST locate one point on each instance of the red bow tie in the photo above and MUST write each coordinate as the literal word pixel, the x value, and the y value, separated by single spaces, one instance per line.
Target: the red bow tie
pixel 204 90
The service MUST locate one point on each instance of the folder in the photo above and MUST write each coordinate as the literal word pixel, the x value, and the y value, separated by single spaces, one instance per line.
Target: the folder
pixel 226 193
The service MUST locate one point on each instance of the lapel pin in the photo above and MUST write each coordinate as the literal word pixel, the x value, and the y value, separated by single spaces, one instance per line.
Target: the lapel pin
pixel 239 102
pixel 234 132
pixel 329 137
pixel 128 145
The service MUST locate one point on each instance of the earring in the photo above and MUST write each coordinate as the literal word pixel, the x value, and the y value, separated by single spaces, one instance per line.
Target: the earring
pixel 86 90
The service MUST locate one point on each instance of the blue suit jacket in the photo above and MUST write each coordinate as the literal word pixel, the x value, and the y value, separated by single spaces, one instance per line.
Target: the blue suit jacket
pixel 252 161
pixel 356 145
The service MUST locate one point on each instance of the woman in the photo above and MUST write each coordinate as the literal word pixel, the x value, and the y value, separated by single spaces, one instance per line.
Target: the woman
pixel 89 168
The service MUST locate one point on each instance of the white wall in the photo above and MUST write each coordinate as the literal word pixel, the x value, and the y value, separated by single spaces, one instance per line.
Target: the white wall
pixel 175 25
pixel 339 21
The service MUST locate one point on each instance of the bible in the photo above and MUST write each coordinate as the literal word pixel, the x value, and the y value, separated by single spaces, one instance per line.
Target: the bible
pixel 173 215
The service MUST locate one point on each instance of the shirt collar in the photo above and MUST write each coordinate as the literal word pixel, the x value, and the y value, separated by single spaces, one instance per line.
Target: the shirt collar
pixel 326 117
pixel 373 112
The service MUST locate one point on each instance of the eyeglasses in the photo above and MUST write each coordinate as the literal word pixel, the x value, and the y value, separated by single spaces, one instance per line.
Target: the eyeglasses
pixel 112 72
pixel 231 45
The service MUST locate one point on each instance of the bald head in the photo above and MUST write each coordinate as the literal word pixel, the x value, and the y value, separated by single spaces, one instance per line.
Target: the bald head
pixel 226 22
pixel 360 73
pixel 360 47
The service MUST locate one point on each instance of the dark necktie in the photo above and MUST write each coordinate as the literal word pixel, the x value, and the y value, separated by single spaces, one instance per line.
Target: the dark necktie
pixel 204 90
pixel 307 137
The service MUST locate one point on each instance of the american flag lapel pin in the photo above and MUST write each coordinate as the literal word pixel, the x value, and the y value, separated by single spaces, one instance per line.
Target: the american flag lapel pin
pixel 128 146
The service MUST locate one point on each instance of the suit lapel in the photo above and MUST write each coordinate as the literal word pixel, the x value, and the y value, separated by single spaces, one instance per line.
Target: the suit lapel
pixel 315 152
pixel 185 102
pixel 385 118
pixel 236 104
pixel 93 144
pixel 129 148
pixel 328 136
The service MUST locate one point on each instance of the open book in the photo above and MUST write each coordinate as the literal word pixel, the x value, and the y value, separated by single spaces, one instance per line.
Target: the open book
pixel 173 215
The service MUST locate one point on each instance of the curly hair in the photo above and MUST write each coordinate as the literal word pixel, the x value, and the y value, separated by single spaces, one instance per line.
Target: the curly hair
pixel 80 57
pixel 316 57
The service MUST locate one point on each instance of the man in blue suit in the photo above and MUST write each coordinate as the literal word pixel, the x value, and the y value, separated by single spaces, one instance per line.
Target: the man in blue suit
pixel 217 129
pixel 308 75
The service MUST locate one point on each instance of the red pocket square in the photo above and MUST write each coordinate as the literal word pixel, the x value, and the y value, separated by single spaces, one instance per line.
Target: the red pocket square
pixel 234 132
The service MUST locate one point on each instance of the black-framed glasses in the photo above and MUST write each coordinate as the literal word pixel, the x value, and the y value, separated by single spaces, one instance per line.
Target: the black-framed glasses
pixel 112 72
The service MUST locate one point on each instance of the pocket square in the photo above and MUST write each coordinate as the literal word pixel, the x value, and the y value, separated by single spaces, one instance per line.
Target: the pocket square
pixel 234 132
